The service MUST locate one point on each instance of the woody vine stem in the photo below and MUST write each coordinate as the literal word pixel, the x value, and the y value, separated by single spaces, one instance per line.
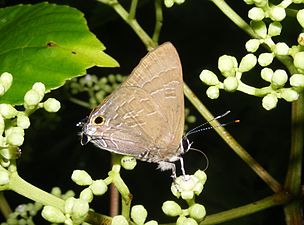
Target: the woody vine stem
pixel 293 177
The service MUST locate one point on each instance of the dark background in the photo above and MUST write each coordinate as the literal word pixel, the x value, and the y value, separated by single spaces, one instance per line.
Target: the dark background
pixel 201 34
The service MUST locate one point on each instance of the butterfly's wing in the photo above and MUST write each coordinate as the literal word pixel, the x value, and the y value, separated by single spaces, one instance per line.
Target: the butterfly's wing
pixel 159 73
pixel 145 116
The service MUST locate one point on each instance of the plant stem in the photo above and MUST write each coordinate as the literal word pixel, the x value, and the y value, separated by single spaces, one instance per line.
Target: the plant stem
pixel 133 8
pixel 234 17
pixel 158 20
pixel 234 145
pixel 28 190
pixel 4 206
pixel 274 200
pixel 293 211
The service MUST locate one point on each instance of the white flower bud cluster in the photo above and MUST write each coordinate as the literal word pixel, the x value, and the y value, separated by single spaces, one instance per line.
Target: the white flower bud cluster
pixel 265 23
pixel 170 3
pixel 187 187
pixel 13 122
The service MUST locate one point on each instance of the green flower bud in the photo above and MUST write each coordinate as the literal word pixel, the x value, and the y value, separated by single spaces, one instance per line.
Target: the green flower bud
pixel 86 194
pixel 179 1
pixel 197 212
pixel 188 221
pixel 209 78
pixel 300 17
pixel 301 39
pixel 256 13
pixel 51 105
pixel 8 111
pixel 213 92
pixel 53 214
pixel 265 59
pixel 259 27
pixel 39 88
pixel 260 3
pixel 15 139
pixel 16 130
pixel 69 204
pixel 187 195
pixel 180 220
pixel 6 80
pixel 298 1
pixel 4 177
pixel 152 222
pixel 31 99
pixel 23 121
pixel 119 220
pixel 298 60
pixel 169 3
pixel 227 65
pixel 277 13
pixel 269 101
pixel 185 186
pixel 139 214
pixel 171 208
pixel 99 187
pixel 281 49
pixel 2 90
pixel 128 162
pixel 274 29
pixel 231 84
pixel 81 177
pixel 289 95
pixel 247 63
pixel 266 74
pixel 80 209
pixel 56 191
pixel 279 78
pixel 201 175
pixel 297 80
pixel 252 45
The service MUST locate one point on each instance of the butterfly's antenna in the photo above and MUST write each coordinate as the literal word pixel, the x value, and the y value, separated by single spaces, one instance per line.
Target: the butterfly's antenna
pixel 207 160
pixel 202 128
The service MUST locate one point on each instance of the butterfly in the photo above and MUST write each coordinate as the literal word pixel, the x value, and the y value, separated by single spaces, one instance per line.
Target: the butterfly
pixel 144 117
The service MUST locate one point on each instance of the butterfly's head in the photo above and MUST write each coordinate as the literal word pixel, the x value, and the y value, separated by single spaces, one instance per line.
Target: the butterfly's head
pixel 185 145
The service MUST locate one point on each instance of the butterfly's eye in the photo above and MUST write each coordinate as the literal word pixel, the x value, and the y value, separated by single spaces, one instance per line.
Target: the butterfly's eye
pixel 99 120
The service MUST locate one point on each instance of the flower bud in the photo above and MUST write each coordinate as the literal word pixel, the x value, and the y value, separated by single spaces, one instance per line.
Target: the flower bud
pixel 279 78
pixel 86 195
pixel 281 49
pixel 201 175
pixel 299 60
pixel 277 13
pixel 186 221
pixel 39 88
pixel 252 45
pixel 259 27
pixel 227 65
pixel 81 177
pixel 169 3
pixel 289 95
pixel 269 101
pixel 53 214
pixel 151 222
pixel 128 162
pixel 8 111
pixel 171 208
pixel 99 187
pixel 6 80
pixel 266 74
pixel 80 209
pixel 23 121
pixel 213 92
pixel 51 105
pixel 247 63
pixel 301 39
pixel 300 17
pixel 265 59
pixel 119 220
pixel 297 80
pixel 231 84
pixel 31 99
pixel 197 212
pixel 138 214
pixel 68 206
pixel 209 78
pixel 15 139
pixel 256 13
pixel 274 29
pixel 2 126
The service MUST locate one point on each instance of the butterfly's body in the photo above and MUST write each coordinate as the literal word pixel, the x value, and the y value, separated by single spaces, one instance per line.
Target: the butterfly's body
pixel 144 117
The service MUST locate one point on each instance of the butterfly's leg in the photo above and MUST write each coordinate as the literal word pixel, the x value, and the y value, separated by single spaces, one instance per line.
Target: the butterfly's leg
pixel 182 166
pixel 173 168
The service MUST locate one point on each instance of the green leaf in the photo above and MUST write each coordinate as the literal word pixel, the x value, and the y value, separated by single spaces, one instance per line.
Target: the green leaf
pixel 47 43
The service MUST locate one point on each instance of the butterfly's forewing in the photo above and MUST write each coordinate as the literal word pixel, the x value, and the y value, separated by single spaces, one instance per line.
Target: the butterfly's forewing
pixel 145 116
